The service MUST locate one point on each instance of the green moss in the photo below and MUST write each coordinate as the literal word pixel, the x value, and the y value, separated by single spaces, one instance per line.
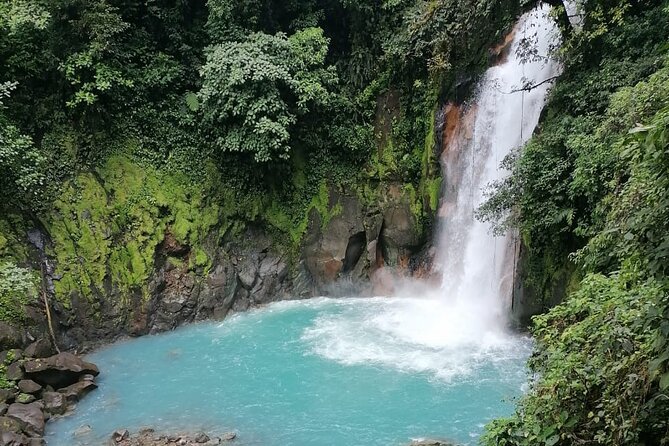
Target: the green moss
pixel 12 231
pixel 108 223
pixel 24 398
pixel 430 144
pixel 201 259
pixel 4 382
pixel 433 189
pixel 415 203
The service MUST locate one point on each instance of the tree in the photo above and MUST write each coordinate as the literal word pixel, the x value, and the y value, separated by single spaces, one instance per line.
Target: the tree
pixel 255 92
pixel 20 162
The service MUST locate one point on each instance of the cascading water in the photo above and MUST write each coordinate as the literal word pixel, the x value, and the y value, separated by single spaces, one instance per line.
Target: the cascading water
pixel 478 267
pixel 374 371
pixel 453 328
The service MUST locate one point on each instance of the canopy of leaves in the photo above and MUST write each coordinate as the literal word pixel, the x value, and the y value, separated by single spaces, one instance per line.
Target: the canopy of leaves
pixel 254 92
pixel 20 162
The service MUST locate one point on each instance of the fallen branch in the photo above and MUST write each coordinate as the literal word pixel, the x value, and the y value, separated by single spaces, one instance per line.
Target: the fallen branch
pixel 48 311
pixel 532 87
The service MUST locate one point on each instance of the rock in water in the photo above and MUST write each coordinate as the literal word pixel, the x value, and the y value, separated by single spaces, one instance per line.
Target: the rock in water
pixel 55 403
pixel 229 436
pixel 60 370
pixel 201 438
pixel 431 443
pixel 78 390
pixel 120 435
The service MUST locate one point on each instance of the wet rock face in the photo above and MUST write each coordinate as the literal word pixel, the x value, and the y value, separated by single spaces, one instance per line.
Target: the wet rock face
pixel 248 269
pixel 245 272
pixel 40 349
pixel 10 337
pixel 362 239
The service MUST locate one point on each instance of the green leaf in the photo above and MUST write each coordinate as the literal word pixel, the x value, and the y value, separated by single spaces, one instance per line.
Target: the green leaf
pixel 552 441
pixel 664 382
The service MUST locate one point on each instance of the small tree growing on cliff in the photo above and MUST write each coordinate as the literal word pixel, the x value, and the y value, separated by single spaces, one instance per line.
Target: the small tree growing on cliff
pixel 256 92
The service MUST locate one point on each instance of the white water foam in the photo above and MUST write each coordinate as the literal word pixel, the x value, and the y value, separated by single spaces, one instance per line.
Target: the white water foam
pixel 450 331
pixel 415 335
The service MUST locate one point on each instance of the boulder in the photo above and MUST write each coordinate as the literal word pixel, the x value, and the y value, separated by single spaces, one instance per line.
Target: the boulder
pixel 41 348
pixel 14 372
pixel 29 386
pixel 10 337
pixel 3 408
pixel 7 395
pixel 30 415
pixel 14 439
pixel 8 424
pixel 120 435
pixel 201 438
pixel 228 436
pixel 55 403
pixel 60 370
pixel 77 391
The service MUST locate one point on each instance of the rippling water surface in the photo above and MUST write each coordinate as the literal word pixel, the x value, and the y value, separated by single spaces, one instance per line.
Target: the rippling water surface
pixel 372 371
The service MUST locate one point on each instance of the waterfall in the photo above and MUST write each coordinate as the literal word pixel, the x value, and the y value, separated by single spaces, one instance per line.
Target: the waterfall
pixel 478 267
pixel 458 329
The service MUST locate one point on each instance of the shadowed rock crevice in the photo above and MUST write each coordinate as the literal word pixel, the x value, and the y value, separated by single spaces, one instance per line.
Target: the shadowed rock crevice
pixel 354 249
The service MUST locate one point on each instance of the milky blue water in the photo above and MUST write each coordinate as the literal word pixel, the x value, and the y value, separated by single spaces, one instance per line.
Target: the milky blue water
pixel 374 371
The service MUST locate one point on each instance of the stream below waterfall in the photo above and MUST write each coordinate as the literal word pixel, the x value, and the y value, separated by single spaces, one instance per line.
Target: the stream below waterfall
pixel 372 371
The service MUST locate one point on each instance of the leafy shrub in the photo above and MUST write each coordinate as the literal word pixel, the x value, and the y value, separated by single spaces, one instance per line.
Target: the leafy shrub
pixel 17 288
pixel 255 92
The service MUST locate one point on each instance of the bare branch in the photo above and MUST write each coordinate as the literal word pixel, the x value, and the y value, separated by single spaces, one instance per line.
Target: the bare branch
pixel 531 86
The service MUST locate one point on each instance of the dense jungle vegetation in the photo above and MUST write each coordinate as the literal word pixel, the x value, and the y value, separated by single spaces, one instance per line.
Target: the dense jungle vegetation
pixel 590 195
pixel 121 117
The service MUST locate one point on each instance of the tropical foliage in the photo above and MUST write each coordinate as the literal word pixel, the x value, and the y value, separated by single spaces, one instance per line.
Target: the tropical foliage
pixel 592 190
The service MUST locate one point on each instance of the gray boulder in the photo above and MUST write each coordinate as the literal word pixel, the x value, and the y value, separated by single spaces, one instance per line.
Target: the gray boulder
pixel 55 403
pixel 15 439
pixel 14 372
pixel 10 337
pixel 60 370
pixel 25 398
pixel 29 386
pixel 30 415
pixel 7 395
pixel 39 349
pixel 8 424
pixel 78 390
